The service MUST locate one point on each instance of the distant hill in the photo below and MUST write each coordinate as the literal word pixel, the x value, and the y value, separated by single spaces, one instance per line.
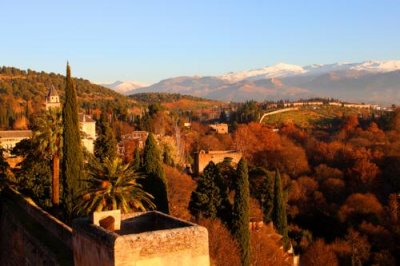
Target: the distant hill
pixel 370 81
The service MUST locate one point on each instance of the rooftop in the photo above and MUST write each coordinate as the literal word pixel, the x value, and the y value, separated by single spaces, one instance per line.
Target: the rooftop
pixel 52 91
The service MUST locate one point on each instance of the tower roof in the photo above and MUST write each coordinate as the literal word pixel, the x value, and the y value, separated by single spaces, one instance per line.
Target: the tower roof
pixel 52 91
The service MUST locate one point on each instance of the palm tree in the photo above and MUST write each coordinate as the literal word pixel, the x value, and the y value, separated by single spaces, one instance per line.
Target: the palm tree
pixel 47 134
pixel 113 185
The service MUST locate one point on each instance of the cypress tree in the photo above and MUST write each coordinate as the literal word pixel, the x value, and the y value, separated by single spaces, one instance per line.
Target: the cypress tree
pixel 205 201
pixel 240 215
pixel 279 212
pixel 155 182
pixel 105 145
pixel 72 162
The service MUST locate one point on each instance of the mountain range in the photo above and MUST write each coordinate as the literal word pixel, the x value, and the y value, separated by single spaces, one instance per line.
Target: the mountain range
pixel 369 81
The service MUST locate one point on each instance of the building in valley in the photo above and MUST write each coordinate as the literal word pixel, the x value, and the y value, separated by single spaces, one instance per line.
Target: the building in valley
pixel 202 158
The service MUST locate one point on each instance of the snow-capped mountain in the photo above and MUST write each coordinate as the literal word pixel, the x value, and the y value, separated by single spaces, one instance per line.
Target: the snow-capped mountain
pixel 378 66
pixel 276 71
pixel 124 87
pixel 369 81
pixel 283 70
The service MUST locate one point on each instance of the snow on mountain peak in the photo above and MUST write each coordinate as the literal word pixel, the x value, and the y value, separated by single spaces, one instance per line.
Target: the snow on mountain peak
pixel 283 70
pixel 278 70
pixel 378 66
pixel 124 87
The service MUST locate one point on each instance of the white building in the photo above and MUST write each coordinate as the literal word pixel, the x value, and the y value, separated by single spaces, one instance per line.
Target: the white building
pixel 88 131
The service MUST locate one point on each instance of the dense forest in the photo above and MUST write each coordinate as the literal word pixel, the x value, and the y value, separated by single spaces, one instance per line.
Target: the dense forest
pixel 341 184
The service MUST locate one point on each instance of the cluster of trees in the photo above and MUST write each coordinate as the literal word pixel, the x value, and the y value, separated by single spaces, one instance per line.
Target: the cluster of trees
pixel 223 194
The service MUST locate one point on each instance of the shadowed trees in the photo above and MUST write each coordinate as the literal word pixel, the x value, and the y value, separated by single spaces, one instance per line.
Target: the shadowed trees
pixel 33 173
pixel 240 214
pixel 206 201
pixel 262 188
pixel 155 182
pixel 279 212
pixel 105 145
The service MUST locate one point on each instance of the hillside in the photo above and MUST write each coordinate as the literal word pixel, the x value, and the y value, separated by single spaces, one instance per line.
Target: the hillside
pixel 175 101
pixel 314 116
pixel 23 92
pixel 28 84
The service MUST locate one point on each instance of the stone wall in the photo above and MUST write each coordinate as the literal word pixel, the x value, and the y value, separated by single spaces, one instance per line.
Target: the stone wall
pixel 31 236
pixel 202 158
pixel 183 246
pixel 93 245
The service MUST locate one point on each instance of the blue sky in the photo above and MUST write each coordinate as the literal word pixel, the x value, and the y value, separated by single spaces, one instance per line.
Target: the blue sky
pixel 152 40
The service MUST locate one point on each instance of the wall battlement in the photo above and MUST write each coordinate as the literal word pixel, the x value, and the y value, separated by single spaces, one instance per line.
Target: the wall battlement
pixel 150 238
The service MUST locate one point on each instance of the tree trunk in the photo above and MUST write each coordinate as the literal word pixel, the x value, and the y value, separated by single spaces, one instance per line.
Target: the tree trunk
pixel 56 181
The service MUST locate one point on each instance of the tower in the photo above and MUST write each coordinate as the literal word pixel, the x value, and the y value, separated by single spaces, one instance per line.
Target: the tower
pixel 52 99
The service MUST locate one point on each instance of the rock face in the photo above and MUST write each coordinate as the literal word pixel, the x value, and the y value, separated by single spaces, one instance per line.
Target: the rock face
pixel 150 238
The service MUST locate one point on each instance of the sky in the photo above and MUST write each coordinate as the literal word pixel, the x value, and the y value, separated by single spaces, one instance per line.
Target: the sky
pixel 151 40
